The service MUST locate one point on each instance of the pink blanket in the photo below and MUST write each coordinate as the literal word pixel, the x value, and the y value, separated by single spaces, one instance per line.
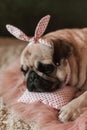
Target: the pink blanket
pixel 43 116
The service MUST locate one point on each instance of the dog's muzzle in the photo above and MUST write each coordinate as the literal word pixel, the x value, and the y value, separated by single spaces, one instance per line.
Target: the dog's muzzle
pixel 40 82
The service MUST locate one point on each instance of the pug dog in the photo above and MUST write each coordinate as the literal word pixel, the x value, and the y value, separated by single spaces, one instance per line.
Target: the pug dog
pixel 58 58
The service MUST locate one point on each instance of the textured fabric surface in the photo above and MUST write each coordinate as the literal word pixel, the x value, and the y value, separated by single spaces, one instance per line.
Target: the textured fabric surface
pixel 37 115
pixel 55 99
pixel 9 119
pixel 10 50
pixel 40 116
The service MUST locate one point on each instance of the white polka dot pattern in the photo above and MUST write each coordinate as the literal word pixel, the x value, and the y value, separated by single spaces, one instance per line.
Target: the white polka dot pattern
pixel 55 99
pixel 17 33
pixel 41 27
pixel 20 35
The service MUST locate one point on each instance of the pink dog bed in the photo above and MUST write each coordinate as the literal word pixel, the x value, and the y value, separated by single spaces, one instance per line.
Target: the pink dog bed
pixel 44 116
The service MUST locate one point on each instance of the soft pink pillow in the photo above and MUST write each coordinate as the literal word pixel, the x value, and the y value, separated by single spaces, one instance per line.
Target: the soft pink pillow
pixel 55 99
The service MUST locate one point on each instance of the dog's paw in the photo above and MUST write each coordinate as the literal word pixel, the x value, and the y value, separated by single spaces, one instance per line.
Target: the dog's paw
pixel 70 112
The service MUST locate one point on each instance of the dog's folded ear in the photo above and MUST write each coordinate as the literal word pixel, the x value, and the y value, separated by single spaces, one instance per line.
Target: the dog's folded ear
pixel 62 49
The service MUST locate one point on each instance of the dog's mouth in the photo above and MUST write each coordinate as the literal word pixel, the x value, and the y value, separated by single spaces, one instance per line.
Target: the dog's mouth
pixel 38 83
pixel 43 83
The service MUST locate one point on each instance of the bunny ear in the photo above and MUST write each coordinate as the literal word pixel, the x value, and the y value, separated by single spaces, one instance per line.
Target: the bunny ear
pixel 17 33
pixel 41 27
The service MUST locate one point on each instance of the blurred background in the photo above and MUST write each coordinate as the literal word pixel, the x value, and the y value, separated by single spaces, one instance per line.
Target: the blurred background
pixel 25 14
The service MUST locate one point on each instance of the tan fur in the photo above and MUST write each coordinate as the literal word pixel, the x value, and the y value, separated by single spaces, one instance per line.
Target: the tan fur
pixel 78 38
pixel 78 64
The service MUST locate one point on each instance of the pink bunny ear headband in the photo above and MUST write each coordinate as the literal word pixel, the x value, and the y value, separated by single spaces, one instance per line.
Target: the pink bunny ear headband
pixel 40 29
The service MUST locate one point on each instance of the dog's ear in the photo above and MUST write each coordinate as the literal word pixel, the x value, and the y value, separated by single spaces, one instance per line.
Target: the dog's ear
pixel 62 50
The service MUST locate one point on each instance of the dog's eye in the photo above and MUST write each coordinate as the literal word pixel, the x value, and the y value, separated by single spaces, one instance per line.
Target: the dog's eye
pixel 46 68
pixel 24 69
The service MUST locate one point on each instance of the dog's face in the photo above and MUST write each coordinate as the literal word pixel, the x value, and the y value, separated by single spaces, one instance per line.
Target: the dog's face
pixel 38 63
pixel 44 66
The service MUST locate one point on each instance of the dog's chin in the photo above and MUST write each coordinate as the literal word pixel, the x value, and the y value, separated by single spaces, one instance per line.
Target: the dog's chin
pixel 52 89
pixel 49 88
pixel 45 86
pixel 39 84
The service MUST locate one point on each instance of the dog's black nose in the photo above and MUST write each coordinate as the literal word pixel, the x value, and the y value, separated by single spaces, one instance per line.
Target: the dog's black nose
pixel 32 76
pixel 32 81
pixel 46 68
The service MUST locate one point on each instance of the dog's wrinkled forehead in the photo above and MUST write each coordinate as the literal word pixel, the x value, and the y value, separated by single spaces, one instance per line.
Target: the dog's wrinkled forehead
pixel 37 52
pixel 40 49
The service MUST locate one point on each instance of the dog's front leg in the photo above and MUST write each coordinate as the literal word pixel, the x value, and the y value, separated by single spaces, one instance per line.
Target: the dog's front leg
pixel 74 108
